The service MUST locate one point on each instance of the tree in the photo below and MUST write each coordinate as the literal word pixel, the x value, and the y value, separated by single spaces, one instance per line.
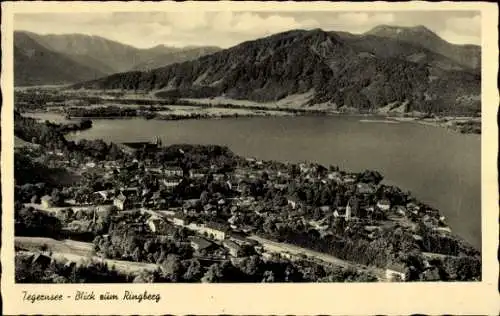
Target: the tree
pixel 193 272
pixel 214 274
pixel 291 274
pixel 431 275
pixel 268 276
pixel 204 198
pixel 145 276
pixel 250 265
pixel 369 176
pixel 35 199
pixel 57 198
pixel 136 255
pixel 172 268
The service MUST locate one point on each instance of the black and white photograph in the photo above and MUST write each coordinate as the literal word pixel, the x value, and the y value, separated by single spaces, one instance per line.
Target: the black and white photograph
pixel 258 155
pixel 247 146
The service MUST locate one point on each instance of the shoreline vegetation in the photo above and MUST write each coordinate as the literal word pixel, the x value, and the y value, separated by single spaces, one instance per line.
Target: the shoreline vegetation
pixel 118 105
pixel 200 213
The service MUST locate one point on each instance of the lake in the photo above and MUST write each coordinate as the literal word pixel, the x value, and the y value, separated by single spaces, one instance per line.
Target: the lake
pixel 440 167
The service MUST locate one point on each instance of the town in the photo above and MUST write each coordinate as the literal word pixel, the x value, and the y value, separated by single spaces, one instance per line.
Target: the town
pixel 191 213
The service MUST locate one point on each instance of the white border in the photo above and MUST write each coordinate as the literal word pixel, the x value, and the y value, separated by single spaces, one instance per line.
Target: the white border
pixel 304 299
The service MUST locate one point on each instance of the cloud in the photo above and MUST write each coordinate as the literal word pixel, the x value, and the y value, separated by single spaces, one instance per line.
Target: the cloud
pixel 458 38
pixel 363 20
pixel 250 23
pixel 255 24
pixel 187 21
pixel 227 28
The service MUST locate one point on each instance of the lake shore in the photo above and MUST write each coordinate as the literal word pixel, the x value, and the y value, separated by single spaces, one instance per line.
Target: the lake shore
pixel 95 105
pixel 465 125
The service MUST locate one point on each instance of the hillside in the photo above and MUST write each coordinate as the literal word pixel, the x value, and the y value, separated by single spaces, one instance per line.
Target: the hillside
pixel 343 71
pixel 34 64
pixel 466 55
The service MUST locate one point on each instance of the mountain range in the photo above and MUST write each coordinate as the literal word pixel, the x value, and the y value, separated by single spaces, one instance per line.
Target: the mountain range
pixel 387 66
pixel 61 59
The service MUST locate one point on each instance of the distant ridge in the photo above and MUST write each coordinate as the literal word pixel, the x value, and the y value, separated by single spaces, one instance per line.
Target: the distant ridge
pixel 466 55
pixel 94 54
pixel 34 64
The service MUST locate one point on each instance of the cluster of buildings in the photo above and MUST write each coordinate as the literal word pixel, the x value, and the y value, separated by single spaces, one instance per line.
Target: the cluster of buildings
pixel 213 235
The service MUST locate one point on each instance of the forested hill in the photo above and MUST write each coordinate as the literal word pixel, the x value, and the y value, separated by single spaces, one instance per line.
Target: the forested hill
pixel 466 55
pixel 344 70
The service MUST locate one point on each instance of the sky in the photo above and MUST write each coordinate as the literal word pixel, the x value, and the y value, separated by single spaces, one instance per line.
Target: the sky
pixel 228 28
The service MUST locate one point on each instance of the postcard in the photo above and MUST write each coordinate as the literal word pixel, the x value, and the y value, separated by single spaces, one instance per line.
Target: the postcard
pixel 249 158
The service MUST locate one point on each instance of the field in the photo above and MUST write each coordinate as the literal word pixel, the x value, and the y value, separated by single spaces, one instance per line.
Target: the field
pixel 79 252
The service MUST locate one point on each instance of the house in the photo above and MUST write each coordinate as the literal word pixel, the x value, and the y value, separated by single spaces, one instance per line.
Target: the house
pixel 130 191
pixel 191 203
pixel 173 171
pixel 218 231
pixel 442 229
pixel 334 176
pixel 218 176
pixel 371 228
pixel 122 202
pixel 417 237
pixel 320 225
pixel 396 272
pixel 197 173
pixel 207 208
pixel 400 210
pixel 47 201
pixel 384 205
pixel 154 170
pixel 325 208
pixel 269 256
pixel 104 209
pixel 349 179
pixel 233 248
pixel 156 196
pixel 171 183
pixel 280 186
pixel 241 240
pixel 233 219
pixel 366 188
pixel 413 207
pixel 234 209
pixel 102 194
pixel 154 223
pixel 293 202
pixel 304 168
pixel 199 243
pixel 283 175
pixel 167 212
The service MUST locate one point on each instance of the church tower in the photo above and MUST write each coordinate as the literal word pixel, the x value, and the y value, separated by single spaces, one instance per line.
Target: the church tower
pixel 348 211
